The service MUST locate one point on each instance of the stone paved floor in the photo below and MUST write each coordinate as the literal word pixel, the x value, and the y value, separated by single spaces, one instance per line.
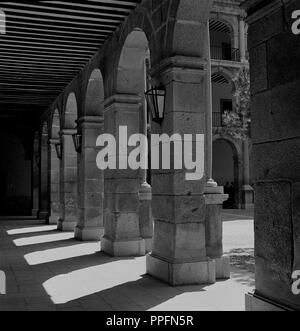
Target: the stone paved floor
pixel 49 270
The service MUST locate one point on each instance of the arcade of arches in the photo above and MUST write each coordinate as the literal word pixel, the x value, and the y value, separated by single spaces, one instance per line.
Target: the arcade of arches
pixel 120 207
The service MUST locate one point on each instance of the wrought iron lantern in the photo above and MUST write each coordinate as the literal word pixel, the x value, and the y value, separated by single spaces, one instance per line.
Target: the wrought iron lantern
pixel 156 103
pixel 58 149
pixel 77 140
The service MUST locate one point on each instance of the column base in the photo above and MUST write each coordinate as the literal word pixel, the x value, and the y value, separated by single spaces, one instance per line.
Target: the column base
pixel 247 206
pixel 89 234
pixel 43 215
pixel 123 248
pixel 223 267
pixel 34 213
pixel 248 198
pixel 66 226
pixel 256 303
pixel 148 244
pixel 175 274
pixel 53 220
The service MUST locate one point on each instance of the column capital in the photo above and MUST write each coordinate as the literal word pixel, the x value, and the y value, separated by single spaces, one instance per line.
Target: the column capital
pixel 67 132
pixel 215 199
pixel 90 122
pixel 53 141
pixel 180 62
pixel 180 68
pixel 133 99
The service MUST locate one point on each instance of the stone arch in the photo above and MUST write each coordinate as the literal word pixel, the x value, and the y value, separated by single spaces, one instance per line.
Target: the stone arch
pixel 223 40
pixel 127 108
pixel 133 69
pixel 68 166
pixel 223 95
pixel 223 24
pixel 94 96
pixel 70 112
pixel 130 77
pixel 227 75
pixel 237 164
pixel 90 126
pixel 54 168
pixel 236 148
pixel 44 172
pixel 187 29
pixel 138 20
pixel 180 33
pixel 230 22
pixel 55 125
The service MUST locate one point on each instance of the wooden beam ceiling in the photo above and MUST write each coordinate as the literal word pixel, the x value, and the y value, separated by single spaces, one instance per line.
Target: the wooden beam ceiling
pixel 47 43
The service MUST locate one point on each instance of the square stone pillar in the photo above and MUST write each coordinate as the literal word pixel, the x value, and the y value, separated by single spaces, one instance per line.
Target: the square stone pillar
pixel 68 216
pixel 145 214
pixel 275 100
pixel 90 179
pixel 35 176
pixel 54 183
pixel 214 194
pixel 122 235
pixel 242 35
pixel 179 254
pixel 214 198
pixel 44 178
pixel 247 190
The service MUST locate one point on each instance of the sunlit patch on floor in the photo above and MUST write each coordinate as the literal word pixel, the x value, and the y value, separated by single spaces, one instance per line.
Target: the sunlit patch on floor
pixel 60 236
pixel 51 271
pixel 35 229
pixel 82 283
pixel 62 253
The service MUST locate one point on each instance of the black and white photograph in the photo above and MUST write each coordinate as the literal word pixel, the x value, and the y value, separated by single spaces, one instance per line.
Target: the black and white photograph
pixel 150 158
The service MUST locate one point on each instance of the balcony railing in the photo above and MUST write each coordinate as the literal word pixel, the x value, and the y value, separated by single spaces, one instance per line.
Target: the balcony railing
pixel 224 53
pixel 217 120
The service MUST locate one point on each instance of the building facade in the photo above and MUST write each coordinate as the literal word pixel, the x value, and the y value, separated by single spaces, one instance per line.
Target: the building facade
pixel 228 49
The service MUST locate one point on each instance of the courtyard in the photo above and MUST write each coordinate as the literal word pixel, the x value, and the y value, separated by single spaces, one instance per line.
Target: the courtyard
pixel 139 236
pixel 50 270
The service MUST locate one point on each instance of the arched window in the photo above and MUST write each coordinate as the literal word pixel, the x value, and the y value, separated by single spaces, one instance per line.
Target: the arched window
pixel 2 22
pixel 222 97
pixel 222 40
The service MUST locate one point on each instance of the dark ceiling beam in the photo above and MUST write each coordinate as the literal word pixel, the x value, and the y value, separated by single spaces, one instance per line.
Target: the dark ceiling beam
pixel 47 43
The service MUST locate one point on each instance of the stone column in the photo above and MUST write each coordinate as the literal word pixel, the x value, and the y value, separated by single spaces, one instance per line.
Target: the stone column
pixel 247 190
pixel 44 182
pixel 122 235
pixel 90 179
pixel 145 215
pixel 209 121
pixel 242 40
pixel 145 193
pixel 68 215
pixel 35 175
pixel 179 245
pixel 54 183
pixel 275 100
pixel 214 231
pixel 238 180
pixel 214 195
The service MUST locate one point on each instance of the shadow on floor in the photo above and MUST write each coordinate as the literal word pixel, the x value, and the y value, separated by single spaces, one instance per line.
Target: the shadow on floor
pixel 64 274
